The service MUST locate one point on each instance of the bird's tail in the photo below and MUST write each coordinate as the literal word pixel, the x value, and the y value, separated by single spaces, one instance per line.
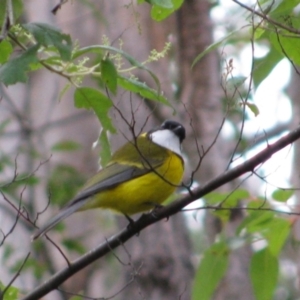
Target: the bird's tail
pixel 65 212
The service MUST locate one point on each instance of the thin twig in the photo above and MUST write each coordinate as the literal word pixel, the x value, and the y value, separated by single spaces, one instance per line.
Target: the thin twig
pixel 16 275
pixel 266 18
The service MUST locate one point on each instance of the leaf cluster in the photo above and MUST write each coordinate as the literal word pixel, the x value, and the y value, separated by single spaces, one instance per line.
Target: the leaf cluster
pixel 34 46
pixel 261 226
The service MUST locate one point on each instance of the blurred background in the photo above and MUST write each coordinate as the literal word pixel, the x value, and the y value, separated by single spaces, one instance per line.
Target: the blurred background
pixel 238 98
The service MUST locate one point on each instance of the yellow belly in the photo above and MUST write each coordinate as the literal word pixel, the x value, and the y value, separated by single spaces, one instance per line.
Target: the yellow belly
pixel 142 193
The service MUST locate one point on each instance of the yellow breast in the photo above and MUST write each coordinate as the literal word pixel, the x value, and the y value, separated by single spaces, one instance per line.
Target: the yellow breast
pixel 144 192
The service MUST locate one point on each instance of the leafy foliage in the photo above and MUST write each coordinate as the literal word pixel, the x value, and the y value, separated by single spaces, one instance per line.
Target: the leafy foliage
pixel 48 47
pixel 212 268
pixel 261 223
pixel 67 145
pixel 138 87
pixel 5 51
pixel 11 293
pixel 16 69
pixel 63 183
pixel 109 75
pixel 89 98
pixel 48 36
pixel 161 9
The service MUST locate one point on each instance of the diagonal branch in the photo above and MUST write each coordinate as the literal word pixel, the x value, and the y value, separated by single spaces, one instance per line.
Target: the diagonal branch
pixel 148 219
pixel 266 18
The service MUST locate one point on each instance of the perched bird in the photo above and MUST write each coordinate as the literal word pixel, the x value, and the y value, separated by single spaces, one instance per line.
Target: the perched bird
pixel 141 175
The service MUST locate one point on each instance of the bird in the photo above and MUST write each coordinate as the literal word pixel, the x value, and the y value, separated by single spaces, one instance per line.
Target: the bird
pixel 139 177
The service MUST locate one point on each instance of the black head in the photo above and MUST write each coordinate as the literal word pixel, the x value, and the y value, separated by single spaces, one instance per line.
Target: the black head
pixel 176 127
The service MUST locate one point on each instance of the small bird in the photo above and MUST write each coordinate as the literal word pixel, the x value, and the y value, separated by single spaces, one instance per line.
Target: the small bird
pixel 140 176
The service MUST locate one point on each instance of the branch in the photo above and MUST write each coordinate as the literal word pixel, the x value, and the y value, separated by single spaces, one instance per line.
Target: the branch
pixel 165 212
pixel 266 18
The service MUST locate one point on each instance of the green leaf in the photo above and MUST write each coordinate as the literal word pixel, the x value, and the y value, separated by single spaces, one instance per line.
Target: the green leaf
pixel 90 98
pixel 263 66
pixel 31 263
pixel 97 49
pixel 160 12
pixel 74 245
pixel 258 32
pixel 77 298
pixel 276 234
pixel 105 152
pixel 222 214
pixel 264 274
pixel 256 221
pixel 29 180
pixel 273 229
pixel 15 69
pixel 12 293
pixel 5 51
pixel 228 198
pixel 161 3
pixel 5 161
pixel 211 270
pixel 257 203
pixel 236 196
pixel 63 183
pixel 109 75
pixel 214 197
pixel 226 201
pixel 66 145
pixel 282 195
pixel 287 46
pixel 8 252
pixel 142 89
pixel 281 7
pixel 130 59
pixel 48 35
pixel 60 227
pixel 214 46
pixel 253 108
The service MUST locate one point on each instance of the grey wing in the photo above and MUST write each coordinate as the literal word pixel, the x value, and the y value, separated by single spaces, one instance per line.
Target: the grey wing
pixel 65 212
pixel 101 181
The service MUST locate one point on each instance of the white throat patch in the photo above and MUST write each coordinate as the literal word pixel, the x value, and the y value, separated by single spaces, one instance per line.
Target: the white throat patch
pixel 167 139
